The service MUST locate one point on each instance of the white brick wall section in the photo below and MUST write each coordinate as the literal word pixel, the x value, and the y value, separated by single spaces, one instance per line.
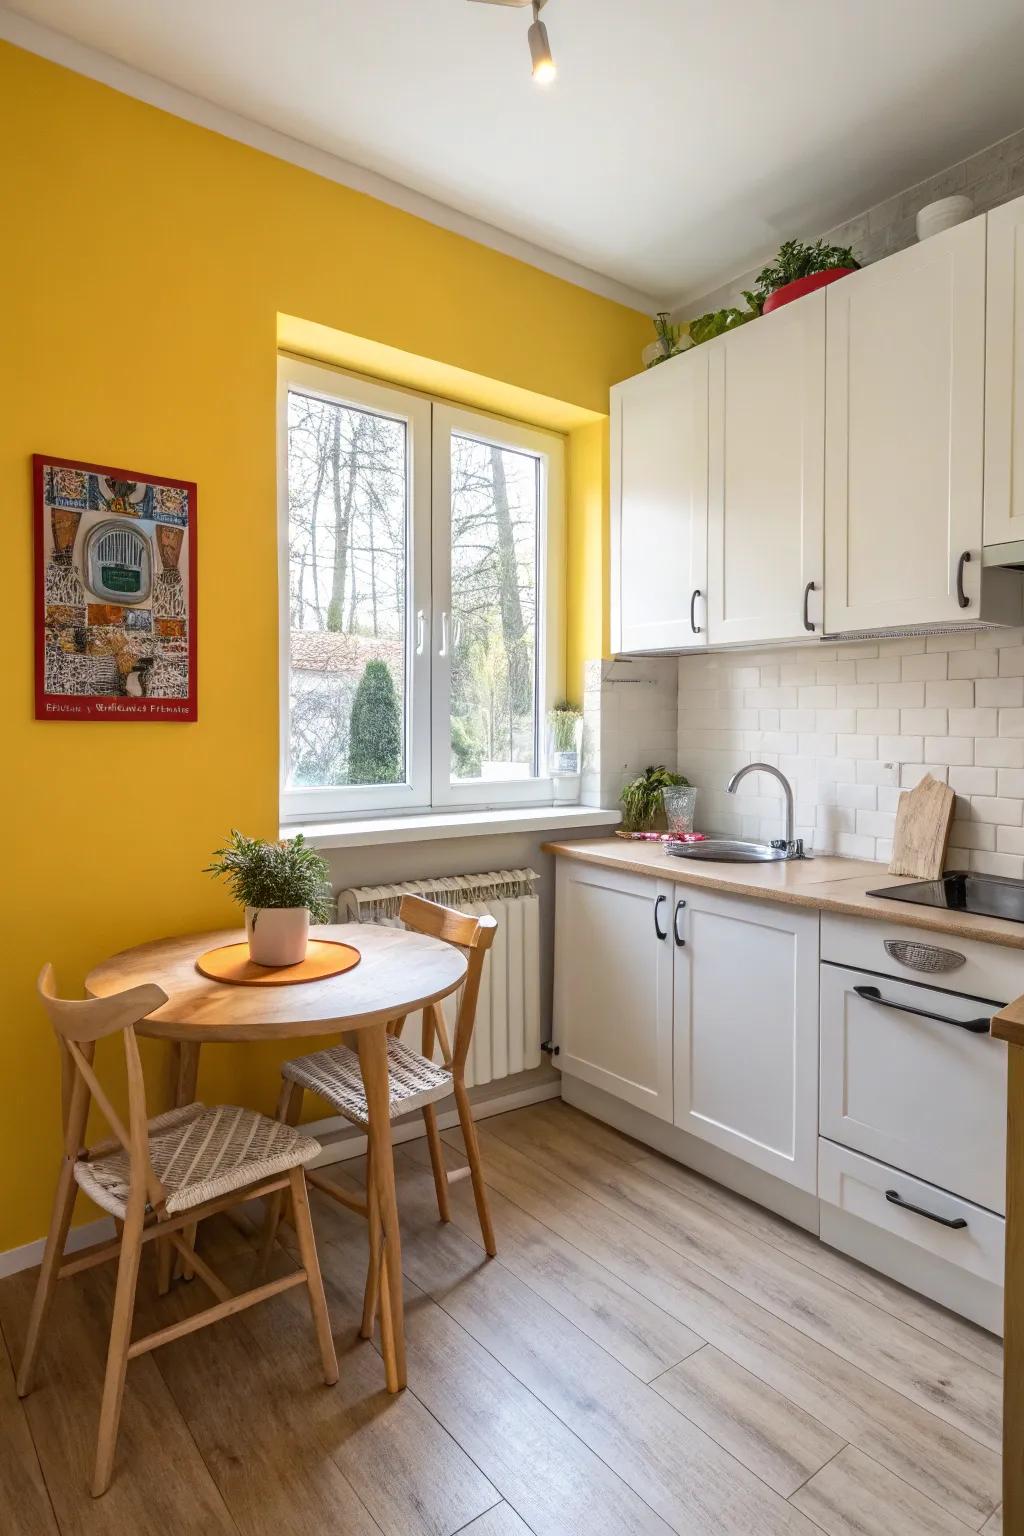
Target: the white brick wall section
pixel 851 725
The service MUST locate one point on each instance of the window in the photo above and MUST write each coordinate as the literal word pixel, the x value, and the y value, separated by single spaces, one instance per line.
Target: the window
pixel 422 634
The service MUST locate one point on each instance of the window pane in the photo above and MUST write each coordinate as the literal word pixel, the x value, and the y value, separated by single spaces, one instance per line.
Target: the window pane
pixel 495 527
pixel 347 512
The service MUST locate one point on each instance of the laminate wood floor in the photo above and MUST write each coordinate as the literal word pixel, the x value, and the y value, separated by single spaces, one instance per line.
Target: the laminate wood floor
pixel 648 1354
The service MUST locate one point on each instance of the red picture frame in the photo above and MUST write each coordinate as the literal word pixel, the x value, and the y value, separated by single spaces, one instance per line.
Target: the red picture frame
pixel 115 565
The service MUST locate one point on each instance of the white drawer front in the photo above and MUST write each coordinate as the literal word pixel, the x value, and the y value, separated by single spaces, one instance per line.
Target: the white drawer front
pixel 919 1094
pixel 858 1185
pixel 983 970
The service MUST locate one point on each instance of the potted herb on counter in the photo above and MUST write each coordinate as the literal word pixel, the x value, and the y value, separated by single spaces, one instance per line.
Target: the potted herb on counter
pixel 641 797
pixel 281 886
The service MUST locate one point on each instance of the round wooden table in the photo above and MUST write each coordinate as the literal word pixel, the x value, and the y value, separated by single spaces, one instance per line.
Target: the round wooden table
pixel 399 973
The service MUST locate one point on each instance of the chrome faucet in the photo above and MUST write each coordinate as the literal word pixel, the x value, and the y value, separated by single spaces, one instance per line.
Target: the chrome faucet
pixel 792 847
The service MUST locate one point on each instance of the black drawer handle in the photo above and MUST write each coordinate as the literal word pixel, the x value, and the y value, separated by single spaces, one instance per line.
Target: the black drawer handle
pixel 956 1222
pixel 810 587
pixel 693 610
pixel 680 941
pixel 973 1026
pixel 961 595
pixel 659 930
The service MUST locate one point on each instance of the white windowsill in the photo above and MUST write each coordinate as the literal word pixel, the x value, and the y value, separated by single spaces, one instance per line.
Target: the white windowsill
pixel 431 825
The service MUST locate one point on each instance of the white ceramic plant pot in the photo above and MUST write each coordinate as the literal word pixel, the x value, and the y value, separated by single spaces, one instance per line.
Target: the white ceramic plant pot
pixel 945 214
pixel 277 935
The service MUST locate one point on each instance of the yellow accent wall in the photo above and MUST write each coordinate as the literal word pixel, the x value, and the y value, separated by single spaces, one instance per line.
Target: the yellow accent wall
pixel 143 265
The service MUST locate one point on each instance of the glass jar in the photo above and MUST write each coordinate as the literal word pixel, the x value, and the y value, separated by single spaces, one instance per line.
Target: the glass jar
pixel 679 802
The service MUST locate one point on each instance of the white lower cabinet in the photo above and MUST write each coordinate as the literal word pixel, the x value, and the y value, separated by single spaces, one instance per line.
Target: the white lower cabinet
pixel 701 1009
pixel 613 983
pixel 746 1031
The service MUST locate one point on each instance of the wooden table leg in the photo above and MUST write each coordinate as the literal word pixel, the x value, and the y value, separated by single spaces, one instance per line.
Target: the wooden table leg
pixel 373 1063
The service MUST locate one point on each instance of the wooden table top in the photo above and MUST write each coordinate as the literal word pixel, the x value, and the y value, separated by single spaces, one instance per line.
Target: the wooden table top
pixel 399 973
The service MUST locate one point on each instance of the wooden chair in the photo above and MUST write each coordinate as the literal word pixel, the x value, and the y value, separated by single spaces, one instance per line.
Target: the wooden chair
pixel 415 1082
pixel 155 1178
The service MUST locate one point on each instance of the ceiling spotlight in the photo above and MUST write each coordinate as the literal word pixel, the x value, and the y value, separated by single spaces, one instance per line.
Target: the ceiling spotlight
pixel 544 70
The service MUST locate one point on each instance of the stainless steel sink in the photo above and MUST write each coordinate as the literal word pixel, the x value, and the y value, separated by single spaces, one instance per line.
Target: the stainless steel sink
pixel 727 850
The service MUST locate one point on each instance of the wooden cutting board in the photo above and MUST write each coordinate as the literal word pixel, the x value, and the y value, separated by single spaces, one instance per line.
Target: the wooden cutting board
pixel 924 816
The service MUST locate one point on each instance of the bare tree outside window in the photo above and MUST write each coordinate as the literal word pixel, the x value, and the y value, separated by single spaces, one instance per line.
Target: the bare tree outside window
pixel 494 559
pixel 347 551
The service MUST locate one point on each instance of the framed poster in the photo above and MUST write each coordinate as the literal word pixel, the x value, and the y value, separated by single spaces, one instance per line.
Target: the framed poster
pixel 115 598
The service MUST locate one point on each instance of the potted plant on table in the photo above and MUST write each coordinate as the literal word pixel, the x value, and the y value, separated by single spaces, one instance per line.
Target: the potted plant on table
pixel 800 269
pixel 282 886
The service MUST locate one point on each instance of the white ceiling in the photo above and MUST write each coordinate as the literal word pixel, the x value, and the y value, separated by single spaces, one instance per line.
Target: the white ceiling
pixel 681 142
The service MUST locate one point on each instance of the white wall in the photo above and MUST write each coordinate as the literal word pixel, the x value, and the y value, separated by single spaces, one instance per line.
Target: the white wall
pixel 851 724
pixel 629 722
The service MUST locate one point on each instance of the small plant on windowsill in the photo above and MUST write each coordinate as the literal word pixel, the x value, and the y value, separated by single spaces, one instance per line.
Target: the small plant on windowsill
pixel 282 886
pixel 641 797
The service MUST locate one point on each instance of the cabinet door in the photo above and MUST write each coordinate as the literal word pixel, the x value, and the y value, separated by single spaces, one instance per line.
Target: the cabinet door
pixel 916 1092
pixel 766 477
pixel 904 414
pixel 1004 376
pixel 613 983
pixel 746 1031
pixel 659 500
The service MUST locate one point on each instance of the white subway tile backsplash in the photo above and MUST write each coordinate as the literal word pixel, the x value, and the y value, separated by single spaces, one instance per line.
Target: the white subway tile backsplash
pixel 883 669
pixel 929 722
pixel 999 692
pixel 973 781
pixel 949 749
pixel 951 695
pixel 927 667
pixel 974 664
pixel 973 722
pixel 855 725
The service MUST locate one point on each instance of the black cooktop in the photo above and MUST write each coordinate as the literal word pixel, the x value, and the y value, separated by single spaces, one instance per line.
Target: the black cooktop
pixel 988 895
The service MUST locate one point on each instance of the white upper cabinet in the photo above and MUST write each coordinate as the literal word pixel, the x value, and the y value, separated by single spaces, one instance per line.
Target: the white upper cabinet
pixel 766 477
pixel 905 385
pixel 1004 376
pixel 659 491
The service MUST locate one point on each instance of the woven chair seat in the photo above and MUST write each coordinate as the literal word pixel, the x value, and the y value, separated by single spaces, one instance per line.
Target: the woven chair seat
pixel 197 1154
pixel 412 1080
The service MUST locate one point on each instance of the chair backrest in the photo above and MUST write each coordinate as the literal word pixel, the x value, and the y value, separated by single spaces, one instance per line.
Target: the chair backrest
pixel 78 1025
pixel 472 934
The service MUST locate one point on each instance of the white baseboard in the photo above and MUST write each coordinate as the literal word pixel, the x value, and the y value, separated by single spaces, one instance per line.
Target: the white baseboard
pixel 30 1254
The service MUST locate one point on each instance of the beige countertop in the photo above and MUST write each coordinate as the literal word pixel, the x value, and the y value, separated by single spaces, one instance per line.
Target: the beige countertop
pixel 824 882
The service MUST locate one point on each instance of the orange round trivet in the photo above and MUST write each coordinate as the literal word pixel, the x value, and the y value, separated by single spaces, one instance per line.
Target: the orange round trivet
pixel 231 963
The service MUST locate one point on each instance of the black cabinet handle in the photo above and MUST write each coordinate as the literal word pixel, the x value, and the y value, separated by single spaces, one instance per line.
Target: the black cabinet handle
pixel 659 930
pixel 680 941
pixel 956 1222
pixel 810 587
pixel 693 606
pixel 973 1026
pixel 961 595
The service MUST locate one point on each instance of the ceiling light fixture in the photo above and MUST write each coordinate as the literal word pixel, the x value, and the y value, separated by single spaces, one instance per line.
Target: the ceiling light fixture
pixel 544 70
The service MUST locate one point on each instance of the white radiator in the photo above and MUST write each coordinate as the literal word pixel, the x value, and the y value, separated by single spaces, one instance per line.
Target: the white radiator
pixel 507 1034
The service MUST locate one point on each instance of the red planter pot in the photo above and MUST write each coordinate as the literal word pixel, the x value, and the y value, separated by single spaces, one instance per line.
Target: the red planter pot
pixel 796 290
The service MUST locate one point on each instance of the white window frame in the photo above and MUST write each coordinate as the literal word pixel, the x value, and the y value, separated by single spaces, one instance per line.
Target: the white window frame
pixel 549 450
pixel 330 802
pixel 429 425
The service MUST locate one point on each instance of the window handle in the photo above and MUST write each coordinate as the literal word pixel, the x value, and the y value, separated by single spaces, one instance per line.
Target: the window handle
pixel 444 635
pixel 421 631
